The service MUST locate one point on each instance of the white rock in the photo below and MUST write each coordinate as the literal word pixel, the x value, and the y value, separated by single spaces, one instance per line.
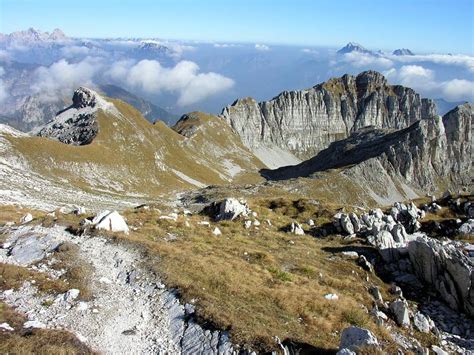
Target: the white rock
pixel 247 224
pixel 421 322
pixel 6 245
pixel 310 222
pixel 110 221
pixel 105 280
pixel 26 218
pixel 351 254
pixel 217 231
pixel 82 306
pixel 296 229
pixel 354 337
pixel 6 326
pixel 204 223
pixel 71 295
pixel 346 351
pixel 399 308
pixel 79 210
pixel 8 292
pixel 438 351
pixel 34 324
pixel 256 222
pixel 230 209
pixel 346 224
pixel 331 296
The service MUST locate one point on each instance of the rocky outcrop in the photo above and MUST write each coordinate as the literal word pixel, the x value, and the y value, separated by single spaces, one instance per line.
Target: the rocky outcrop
pixel 77 124
pixel 422 155
pixel 446 269
pixel 307 121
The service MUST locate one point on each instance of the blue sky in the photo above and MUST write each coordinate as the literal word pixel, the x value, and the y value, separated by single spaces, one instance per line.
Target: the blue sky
pixel 421 25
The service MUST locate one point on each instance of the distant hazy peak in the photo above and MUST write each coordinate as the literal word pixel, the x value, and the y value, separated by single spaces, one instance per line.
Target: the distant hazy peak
pixel 403 51
pixel 353 47
pixel 32 35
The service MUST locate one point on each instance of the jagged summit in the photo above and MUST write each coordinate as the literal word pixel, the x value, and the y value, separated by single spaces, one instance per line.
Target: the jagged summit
pixel 423 155
pixel 84 97
pixel 32 36
pixel 402 51
pixel 302 123
pixel 353 47
pixel 77 124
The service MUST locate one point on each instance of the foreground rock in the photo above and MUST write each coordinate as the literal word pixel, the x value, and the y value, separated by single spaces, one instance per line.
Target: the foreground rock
pixel 447 269
pixel 354 338
pixel 110 221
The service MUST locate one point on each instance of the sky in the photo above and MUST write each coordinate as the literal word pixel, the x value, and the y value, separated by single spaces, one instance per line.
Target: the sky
pixel 421 25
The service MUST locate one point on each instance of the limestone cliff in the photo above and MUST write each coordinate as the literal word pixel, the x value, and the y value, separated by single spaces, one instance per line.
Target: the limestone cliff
pixel 307 121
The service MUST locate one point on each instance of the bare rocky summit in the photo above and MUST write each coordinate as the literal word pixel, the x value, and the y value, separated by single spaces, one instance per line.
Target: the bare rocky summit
pixel 305 122
pixel 421 155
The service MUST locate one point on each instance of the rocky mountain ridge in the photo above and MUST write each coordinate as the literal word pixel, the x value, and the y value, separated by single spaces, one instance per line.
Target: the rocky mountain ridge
pixel 422 155
pixel 305 122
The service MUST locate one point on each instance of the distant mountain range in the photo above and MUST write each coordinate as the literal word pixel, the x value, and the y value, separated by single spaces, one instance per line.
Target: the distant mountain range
pixel 356 47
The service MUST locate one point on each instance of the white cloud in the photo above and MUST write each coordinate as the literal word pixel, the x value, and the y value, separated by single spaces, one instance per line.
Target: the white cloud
pixel 462 60
pixel 225 45
pixel 358 59
pixel 424 81
pixel 458 90
pixel 63 77
pixel 184 79
pixel 72 51
pixel 310 51
pixel 262 47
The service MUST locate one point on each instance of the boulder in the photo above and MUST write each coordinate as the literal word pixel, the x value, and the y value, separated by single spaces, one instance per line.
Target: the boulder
pixel 217 232
pixel 399 309
pixel 110 221
pixel 467 228
pixel 355 222
pixel 421 322
pixel 353 338
pixel 32 248
pixel 346 224
pixel 295 228
pixel 230 209
pixel 26 218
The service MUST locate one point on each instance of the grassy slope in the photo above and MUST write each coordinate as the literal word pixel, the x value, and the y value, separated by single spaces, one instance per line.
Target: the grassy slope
pixel 132 156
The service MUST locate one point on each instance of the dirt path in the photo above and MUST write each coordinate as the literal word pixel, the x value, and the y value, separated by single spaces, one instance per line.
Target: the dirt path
pixel 130 311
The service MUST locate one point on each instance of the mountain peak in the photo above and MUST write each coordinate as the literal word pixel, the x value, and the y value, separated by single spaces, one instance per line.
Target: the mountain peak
pixel 402 51
pixel 353 47
pixel 84 97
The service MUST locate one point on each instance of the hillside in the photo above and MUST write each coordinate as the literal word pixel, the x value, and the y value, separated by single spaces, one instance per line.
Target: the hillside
pixel 126 158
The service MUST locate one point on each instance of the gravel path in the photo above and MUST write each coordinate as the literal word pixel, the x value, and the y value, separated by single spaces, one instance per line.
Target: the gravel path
pixel 128 313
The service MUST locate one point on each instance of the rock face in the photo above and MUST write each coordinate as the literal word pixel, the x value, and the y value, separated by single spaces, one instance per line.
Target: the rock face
pixel 420 155
pixel 446 269
pixel 76 125
pixel 307 121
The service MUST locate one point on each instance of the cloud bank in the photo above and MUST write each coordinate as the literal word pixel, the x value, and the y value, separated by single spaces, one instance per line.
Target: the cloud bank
pixel 148 76
pixel 424 81
pixel 184 79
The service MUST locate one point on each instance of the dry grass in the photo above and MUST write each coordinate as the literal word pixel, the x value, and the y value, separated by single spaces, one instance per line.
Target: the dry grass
pixel 12 276
pixel 36 341
pixel 259 283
